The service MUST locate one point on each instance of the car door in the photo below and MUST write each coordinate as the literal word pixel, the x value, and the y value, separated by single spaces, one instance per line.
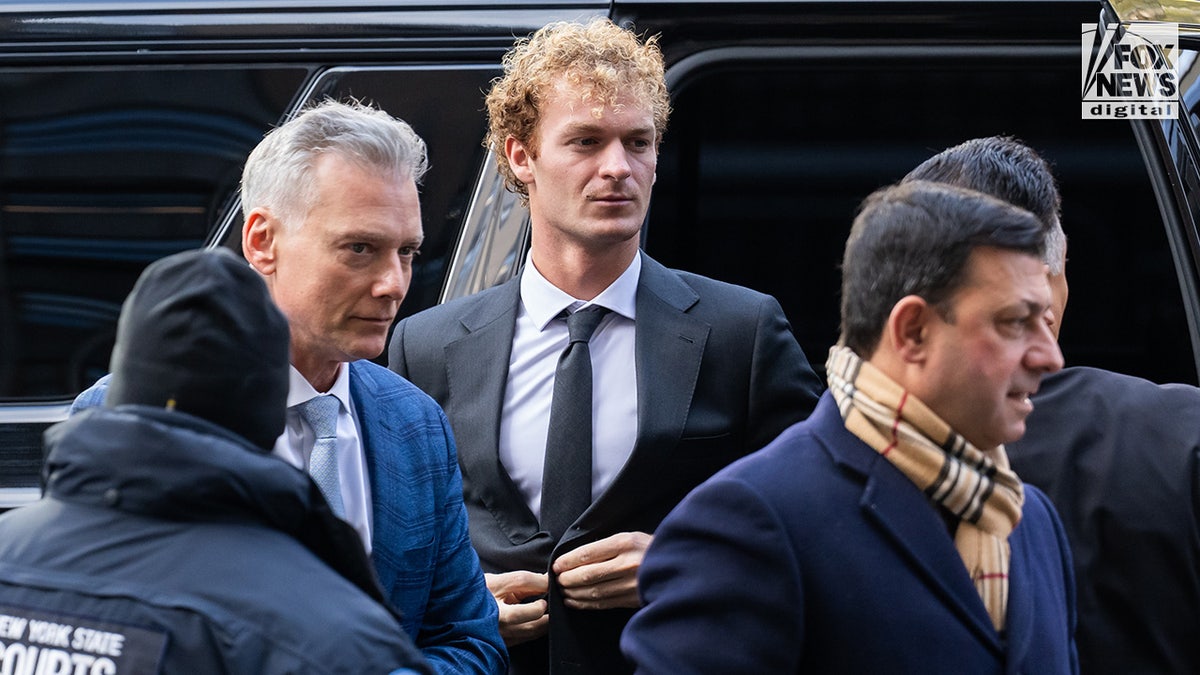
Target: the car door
pixel 1171 148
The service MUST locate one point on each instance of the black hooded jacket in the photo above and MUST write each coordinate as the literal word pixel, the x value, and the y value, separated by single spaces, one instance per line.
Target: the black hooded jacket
pixel 199 551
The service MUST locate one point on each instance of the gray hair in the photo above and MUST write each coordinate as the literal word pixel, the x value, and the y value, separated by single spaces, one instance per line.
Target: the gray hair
pixel 1056 249
pixel 279 172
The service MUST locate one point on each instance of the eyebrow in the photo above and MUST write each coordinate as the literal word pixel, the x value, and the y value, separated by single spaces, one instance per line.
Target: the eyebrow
pixel 1034 307
pixel 590 128
pixel 373 237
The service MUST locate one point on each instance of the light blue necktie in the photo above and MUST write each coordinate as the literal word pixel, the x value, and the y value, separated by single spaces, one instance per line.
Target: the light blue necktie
pixel 321 414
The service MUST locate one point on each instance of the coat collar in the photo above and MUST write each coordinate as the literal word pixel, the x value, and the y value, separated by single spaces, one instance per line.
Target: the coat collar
pixel 907 520
pixel 169 464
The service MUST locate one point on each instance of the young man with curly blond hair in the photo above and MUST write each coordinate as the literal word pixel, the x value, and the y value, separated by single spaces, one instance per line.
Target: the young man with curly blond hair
pixel 686 373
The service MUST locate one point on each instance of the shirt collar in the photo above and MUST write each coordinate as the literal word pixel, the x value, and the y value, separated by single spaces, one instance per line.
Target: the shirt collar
pixel 543 300
pixel 299 389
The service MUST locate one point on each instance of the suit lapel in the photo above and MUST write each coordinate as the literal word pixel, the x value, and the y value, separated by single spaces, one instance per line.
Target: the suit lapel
pixel 375 434
pixel 907 520
pixel 476 374
pixel 669 346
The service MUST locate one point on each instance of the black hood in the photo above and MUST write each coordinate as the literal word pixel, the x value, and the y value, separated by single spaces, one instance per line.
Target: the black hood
pixel 199 333
pixel 174 466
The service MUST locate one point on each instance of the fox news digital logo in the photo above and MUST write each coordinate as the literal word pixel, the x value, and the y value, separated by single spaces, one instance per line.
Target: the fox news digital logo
pixel 1129 72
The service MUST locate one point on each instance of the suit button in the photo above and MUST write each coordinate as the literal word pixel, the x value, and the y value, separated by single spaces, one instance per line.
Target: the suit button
pixel 112 496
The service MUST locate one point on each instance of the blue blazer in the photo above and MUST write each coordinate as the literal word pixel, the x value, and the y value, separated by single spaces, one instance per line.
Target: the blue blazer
pixel 421 546
pixel 420 542
pixel 816 555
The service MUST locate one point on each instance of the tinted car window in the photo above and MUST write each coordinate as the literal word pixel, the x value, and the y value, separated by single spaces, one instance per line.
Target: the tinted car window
pixel 445 107
pixel 103 171
pixel 766 161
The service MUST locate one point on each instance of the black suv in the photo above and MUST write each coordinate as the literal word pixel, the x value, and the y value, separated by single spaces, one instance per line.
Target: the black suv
pixel 124 125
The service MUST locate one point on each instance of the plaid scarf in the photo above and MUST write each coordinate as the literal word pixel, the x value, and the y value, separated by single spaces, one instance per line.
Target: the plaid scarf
pixel 976 487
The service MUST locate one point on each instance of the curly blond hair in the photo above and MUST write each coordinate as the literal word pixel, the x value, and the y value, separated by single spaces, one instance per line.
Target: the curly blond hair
pixel 606 62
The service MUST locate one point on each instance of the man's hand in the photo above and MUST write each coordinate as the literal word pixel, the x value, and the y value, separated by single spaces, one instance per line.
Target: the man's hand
pixel 520 621
pixel 603 574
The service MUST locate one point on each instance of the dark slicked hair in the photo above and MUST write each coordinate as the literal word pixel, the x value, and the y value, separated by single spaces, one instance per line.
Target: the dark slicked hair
pixel 915 238
pixel 1007 169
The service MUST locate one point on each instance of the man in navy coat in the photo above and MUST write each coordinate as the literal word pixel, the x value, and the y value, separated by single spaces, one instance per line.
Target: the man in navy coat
pixel 887 533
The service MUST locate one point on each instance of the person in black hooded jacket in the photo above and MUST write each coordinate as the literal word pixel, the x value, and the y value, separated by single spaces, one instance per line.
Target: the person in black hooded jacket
pixel 169 539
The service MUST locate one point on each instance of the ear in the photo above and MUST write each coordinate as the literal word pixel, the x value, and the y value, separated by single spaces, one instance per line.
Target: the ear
pixel 519 158
pixel 259 235
pixel 908 328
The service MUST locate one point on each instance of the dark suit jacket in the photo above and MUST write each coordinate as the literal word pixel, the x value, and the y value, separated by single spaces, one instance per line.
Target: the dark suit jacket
pixel 817 555
pixel 1118 457
pixel 719 375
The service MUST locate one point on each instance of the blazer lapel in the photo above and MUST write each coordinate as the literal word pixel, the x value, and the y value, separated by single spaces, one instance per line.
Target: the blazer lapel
pixel 477 372
pixel 376 434
pixel 669 348
pixel 904 515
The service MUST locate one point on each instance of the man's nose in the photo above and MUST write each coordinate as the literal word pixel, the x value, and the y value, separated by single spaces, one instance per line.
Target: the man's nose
pixel 393 279
pixel 1044 354
pixel 615 162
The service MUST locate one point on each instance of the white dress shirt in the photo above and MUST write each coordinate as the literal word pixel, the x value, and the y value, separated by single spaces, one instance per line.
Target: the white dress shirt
pixel 295 446
pixel 538 341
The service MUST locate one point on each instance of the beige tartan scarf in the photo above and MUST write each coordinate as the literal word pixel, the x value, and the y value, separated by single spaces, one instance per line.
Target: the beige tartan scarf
pixel 976 487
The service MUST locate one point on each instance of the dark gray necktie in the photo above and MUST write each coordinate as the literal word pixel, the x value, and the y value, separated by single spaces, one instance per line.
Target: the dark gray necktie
pixel 567 473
